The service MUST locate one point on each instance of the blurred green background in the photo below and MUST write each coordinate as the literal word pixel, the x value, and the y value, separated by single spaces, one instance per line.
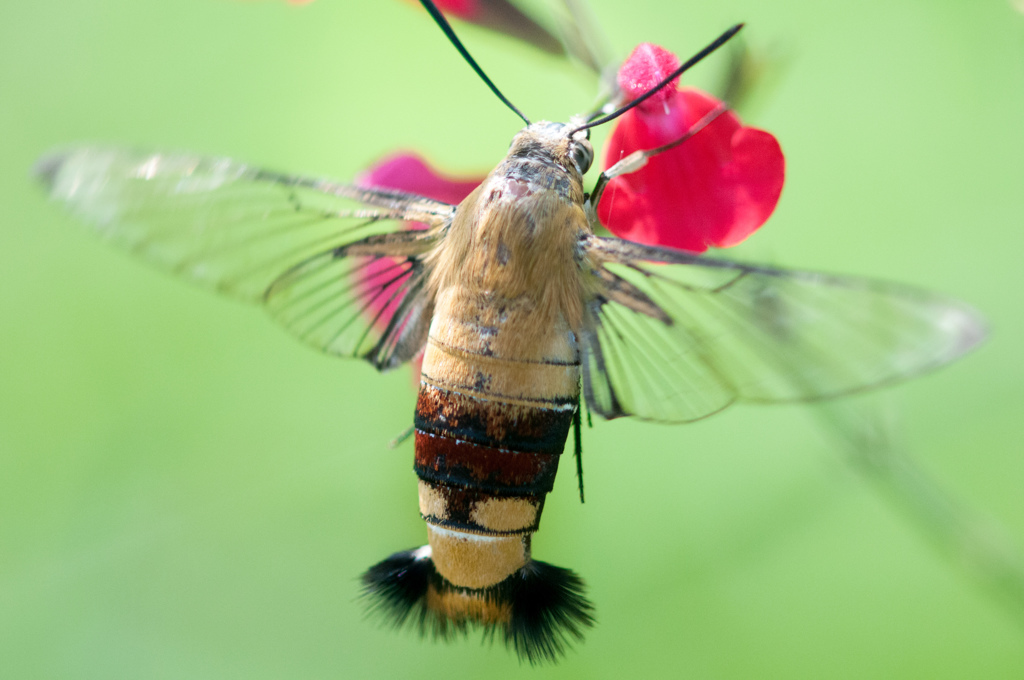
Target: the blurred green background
pixel 186 492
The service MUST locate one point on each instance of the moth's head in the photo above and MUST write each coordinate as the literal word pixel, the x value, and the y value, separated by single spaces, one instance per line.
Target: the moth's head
pixel 552 142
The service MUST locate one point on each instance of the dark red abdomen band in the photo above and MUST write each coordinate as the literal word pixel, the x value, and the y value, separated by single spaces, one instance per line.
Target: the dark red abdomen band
pixel 488 446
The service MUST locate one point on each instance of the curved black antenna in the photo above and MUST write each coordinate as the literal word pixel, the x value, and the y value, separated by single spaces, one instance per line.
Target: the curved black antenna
pixel 445 27
pixel 718 42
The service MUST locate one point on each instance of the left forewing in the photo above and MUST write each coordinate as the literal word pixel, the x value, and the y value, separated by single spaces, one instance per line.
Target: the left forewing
pixel 340 275
pixel 673 337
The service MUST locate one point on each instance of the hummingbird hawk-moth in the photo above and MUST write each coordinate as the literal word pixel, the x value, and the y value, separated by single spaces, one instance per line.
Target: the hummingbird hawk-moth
pixel 522 313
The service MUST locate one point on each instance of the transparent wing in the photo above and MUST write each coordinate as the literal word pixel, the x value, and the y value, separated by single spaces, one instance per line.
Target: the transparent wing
pixel 216 221
pixel 354 302
pixel 238 229
pixel 675 337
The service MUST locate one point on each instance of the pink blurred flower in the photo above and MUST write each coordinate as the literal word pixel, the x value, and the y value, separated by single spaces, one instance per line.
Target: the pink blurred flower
pixel 405 172
pixel 714 189
pixel 408 172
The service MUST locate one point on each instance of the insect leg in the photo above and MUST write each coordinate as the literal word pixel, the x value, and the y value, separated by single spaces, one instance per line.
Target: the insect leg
pixel 400 439
pixel 577 431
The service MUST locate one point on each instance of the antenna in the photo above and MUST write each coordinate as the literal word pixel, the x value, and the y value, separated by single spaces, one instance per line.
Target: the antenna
pixel 718 42
pixel 446 28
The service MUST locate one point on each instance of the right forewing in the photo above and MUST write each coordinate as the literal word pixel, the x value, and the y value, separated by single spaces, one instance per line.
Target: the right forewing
pixel 674 337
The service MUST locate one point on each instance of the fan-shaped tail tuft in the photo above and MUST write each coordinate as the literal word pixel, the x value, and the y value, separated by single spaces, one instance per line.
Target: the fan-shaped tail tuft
pixel 539 611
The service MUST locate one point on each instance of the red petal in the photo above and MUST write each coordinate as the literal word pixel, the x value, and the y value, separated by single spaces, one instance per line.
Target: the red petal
pixel 714 189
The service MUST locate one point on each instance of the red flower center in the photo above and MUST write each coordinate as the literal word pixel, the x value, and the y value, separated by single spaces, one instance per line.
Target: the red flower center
pixel 647 66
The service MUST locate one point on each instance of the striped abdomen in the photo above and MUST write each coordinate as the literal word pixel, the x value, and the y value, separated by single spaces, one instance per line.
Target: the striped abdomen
pixel 497 396
pixel 492 418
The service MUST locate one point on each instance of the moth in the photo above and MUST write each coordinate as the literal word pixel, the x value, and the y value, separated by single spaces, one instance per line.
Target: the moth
pixel 521 313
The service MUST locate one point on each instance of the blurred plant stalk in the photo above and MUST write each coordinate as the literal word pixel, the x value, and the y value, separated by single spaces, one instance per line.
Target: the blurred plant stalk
pixel 979 547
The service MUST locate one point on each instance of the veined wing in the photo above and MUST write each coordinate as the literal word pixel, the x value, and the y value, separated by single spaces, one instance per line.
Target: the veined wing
pixel 674 337
pixel 259 235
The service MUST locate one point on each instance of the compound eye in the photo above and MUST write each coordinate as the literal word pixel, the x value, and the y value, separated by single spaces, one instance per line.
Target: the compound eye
pixel 582 155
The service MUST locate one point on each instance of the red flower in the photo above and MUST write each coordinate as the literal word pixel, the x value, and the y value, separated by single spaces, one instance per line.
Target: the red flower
pixel 405 172
pixel 714 189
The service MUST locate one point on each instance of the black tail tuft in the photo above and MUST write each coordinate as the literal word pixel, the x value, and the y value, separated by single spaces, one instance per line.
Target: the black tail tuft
pixel 538 611
pixel 398 586
pixel 549 611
